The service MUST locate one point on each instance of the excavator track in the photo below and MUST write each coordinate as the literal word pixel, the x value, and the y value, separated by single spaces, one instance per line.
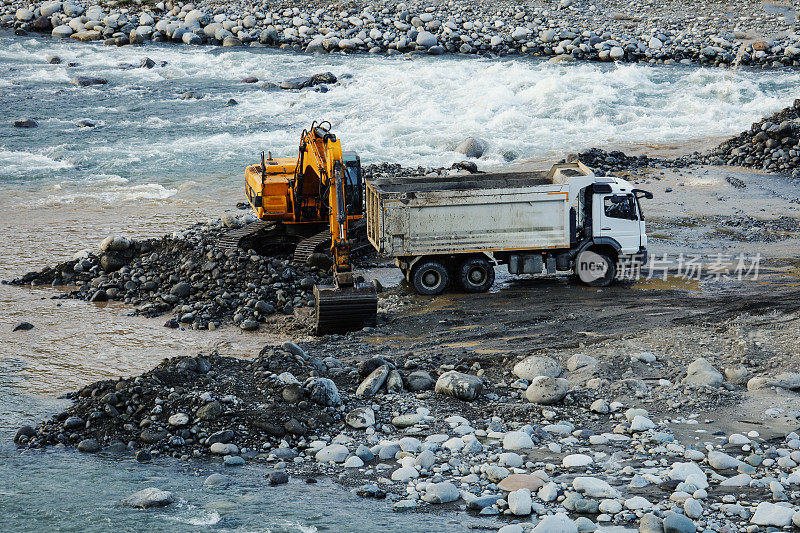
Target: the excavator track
pixel 320 242
pixel 256 235
pixel 345 309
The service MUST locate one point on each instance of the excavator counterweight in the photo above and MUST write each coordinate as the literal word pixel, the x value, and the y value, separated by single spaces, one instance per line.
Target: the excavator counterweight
pixel 323 186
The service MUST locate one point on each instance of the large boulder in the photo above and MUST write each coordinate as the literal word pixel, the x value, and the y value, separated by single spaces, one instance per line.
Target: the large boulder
pixel 149 497
pixel 537 365
pixel 472 147
pixel 545 390
pixel 701 372
pixel 459 385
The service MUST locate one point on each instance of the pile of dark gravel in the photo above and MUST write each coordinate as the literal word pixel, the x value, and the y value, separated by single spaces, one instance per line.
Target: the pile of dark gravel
pixel 185 404
pixel 188 276
pixel 772 145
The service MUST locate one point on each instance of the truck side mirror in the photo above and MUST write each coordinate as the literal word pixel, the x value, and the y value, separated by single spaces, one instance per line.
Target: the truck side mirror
pixel 643 194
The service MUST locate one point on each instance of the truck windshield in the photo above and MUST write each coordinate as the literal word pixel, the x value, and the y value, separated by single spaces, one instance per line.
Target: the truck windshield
pixel 617 206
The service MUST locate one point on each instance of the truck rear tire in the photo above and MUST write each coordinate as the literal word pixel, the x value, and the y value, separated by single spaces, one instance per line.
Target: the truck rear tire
pixel 476 274
pixel 430 278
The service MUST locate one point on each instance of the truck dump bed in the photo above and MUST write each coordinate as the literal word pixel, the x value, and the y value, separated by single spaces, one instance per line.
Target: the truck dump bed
pixel 471 213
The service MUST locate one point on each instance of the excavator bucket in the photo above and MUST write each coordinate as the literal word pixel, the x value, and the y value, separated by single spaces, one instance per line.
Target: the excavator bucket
pixel 342 309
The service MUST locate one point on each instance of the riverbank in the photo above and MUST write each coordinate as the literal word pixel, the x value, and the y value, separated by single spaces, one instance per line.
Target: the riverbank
pixel 705 33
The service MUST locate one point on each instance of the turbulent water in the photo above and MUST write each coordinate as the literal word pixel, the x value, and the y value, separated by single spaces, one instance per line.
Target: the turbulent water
pixel 156 162
pixel 151 144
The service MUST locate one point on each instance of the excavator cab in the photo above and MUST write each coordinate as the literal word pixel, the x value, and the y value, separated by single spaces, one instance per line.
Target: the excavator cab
pixel 354 184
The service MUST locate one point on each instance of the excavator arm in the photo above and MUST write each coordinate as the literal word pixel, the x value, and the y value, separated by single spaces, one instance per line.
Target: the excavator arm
pixel 348 304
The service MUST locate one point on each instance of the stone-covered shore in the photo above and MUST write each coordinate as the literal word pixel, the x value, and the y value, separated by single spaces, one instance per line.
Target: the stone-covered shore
pixel 706 32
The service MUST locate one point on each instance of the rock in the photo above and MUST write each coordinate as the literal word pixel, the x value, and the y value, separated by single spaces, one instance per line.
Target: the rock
pixel 678 523
pixel 576 460
pixel 278 477
pixel 233 460
pixel 373 382
pixel 480 502
pixel 181 289
pixel 26 432
pixel 520 481
pixel 700 372
pixel 147 63
pixel 323 391
pixel 224 435
pixel 419 380
pixel 62 32
pixel 772 514
pixel 537 365
pixel 360 418
pixel 472 147
pixel 722 461
pixel 692 508
pixel 405 421
pixel 86 81
pixel 600 406
pixel 594 487
pixel 74 422
pixel 224 448
pixel 143 456
pixel 443 492
pixel 231 102
pixel 292 393
pixel 394 383
pixel 638 503
pixel 517 440
pixel 354 461
pixel 641 423
pixel 510 459
pixel 425 460
pixel 616 53
pixel 458 385
pixel 650 523
pixel 336 453
pixel 24 15
pixel 150 497
pixel 297 83
pixel 546 390
pixel 519 502
pixel 580 361
pixel 404 505
pixel 216 480
pixel 88 446
pixel 209 411
pixel 736 374
pixel 558 523
pixel 25 123
pixel 426 39
pixel 23 326
pixel 404 474
pixel 323 77
pixel 179 419
pixel 496 473
pixel 85 123
pixel 511 528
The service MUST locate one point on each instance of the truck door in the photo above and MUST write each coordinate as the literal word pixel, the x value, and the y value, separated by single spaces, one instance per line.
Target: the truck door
pixel 617 216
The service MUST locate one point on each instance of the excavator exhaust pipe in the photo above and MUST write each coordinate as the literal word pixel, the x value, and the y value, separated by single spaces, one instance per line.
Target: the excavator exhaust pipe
pixel 343 309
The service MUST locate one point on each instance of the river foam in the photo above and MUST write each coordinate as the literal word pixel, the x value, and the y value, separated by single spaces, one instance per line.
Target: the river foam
pixel 409 111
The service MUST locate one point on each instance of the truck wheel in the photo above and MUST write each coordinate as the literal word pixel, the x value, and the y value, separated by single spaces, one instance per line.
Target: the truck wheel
pixel 595 269
pixel 430 278
pixel 476 274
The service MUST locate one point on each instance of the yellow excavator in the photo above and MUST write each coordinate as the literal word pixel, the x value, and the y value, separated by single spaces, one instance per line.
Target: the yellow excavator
pixel 323 185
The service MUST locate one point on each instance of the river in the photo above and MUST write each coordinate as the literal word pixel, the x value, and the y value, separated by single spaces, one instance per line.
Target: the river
pixel 156 162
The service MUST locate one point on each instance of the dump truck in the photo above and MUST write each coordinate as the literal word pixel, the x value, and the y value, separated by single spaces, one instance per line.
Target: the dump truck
pixel 453 231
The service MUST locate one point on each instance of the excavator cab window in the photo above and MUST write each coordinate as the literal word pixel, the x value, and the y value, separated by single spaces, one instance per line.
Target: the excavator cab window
pixel 354 185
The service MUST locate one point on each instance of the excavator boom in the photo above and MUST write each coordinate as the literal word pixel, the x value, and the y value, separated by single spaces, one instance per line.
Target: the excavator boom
pixel 315 189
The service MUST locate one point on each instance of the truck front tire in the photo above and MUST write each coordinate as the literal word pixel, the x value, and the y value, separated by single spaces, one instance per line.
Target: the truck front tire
pixel 476 274
pixel 430 278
